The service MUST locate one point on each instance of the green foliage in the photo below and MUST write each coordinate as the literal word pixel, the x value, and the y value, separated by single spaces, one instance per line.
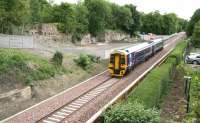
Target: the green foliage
pixel 166 24
pixel 131 113
pixel 152 23
pixel 64 14
pixel 136 21
pixel 196 35
pixel 125 18
pixel 13 14
pixel 93 16
pixel 194 92
pixel 84 61
pixel 58 58
pixel 151 90
pixel 98 13
pixel 82 22
pixel 170 24
pixel 27 67
pixel 191 24
pixel 41 11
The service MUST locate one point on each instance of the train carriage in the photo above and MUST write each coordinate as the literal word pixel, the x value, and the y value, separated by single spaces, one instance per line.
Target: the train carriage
pixel 124 60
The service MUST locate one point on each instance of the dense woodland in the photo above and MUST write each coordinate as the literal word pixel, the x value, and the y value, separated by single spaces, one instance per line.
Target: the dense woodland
pixel 88 16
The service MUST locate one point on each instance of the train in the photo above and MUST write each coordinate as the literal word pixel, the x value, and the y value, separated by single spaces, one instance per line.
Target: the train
pixel 122 61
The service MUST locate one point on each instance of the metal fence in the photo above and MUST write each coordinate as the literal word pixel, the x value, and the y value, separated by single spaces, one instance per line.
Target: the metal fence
pixel 16 41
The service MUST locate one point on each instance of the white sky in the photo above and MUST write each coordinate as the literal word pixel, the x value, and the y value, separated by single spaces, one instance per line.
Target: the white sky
pixel 183 8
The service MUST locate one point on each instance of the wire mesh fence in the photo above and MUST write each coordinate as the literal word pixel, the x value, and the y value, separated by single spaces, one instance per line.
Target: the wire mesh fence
pixel 16 41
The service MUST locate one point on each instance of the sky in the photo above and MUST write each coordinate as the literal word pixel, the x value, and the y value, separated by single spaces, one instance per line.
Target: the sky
pixel 183 8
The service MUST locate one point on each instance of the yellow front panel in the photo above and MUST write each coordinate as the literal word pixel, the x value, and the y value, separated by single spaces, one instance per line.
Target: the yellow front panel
pixel 116 62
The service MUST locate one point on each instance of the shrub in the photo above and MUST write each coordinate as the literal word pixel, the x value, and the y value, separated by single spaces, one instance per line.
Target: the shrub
pixel 131 113
pixel 58 58
pixel 84 61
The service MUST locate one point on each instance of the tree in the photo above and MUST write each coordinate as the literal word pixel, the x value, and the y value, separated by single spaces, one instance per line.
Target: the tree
pixel 41 11
pixel 182 23
pixel 13 14
pixel 170 23
pixel 81 21
pixel 195 18
pixel 99 11
pixel 152 23
pixel 196 35
pixel 136 22
pixel 124 19
pixel 64 15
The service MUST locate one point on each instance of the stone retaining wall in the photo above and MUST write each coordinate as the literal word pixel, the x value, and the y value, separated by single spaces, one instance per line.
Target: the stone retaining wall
pixel 16 95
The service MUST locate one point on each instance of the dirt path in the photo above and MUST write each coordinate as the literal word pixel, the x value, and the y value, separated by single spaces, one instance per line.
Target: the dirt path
pixel 174 107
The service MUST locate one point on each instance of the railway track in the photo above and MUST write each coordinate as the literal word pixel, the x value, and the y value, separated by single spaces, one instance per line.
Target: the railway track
pixel 86 101
pixel 65 111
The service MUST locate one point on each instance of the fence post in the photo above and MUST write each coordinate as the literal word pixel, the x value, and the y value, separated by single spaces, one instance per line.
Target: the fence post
pixel 187 84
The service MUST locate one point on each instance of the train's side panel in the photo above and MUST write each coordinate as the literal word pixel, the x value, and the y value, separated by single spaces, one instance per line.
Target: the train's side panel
pixel 158 46
pixel 130 61
pixel 139 56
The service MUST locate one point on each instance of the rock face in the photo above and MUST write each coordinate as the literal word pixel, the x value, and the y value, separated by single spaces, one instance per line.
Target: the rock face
pixel 112 36
pixel 44 29
pixel 86 40
pixel 108 36
pixel 48 32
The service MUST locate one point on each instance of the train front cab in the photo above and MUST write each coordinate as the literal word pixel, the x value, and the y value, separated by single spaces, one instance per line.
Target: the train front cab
pixel 118 64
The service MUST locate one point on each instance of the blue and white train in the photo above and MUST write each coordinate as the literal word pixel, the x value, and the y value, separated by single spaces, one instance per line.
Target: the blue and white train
pixel 124 60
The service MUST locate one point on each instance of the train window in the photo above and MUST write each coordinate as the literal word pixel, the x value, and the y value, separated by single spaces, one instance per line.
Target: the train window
pixel 112 59
pixel 122 59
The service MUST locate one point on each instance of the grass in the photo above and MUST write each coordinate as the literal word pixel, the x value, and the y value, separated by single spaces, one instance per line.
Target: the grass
pixel 26 66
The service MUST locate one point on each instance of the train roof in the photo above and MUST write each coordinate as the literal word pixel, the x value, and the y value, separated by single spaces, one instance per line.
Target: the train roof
pixel 132 48
pixel 157 40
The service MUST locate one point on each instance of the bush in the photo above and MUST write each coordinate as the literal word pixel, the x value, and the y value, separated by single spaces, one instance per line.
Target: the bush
pixel 58 58
pixel 84 61
pixel 131 113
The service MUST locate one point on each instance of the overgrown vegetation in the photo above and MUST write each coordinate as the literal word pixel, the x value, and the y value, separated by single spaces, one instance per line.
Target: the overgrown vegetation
pixel 131 113
pixel 191 24
pixel 194 111
pixel 194 106
pixel 58 58
pixel 193 28
pixel 150 93
pixel 26 67
pixel 195 40
pixel 85 61
pixel 17 16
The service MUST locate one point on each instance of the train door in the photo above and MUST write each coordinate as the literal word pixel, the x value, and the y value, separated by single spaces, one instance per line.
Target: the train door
pixel 117 62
